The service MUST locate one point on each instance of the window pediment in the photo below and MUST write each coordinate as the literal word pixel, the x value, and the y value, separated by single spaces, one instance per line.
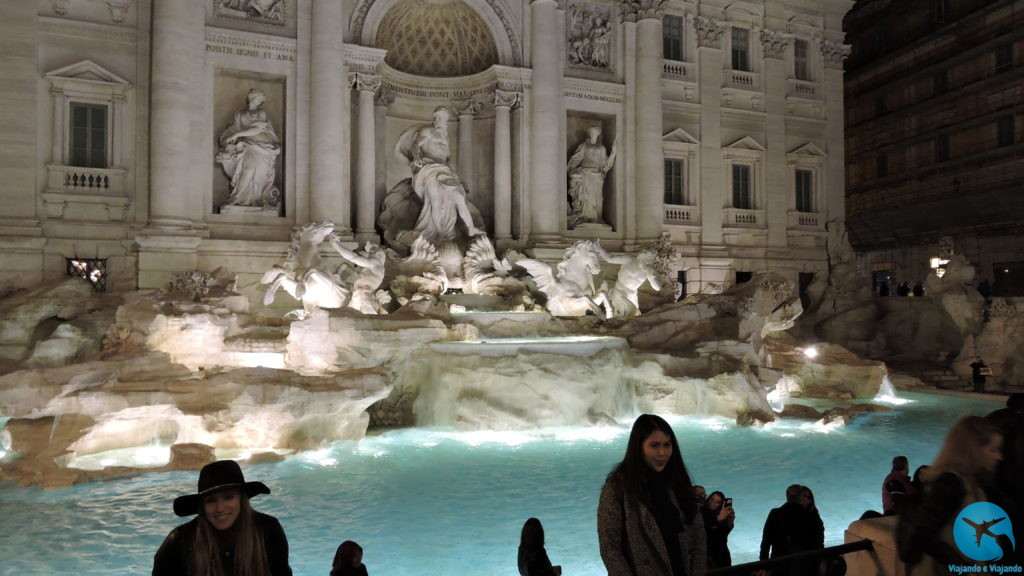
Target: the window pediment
pixel 679 136
pixel 745 144
pixel 88 76
pixel 808 150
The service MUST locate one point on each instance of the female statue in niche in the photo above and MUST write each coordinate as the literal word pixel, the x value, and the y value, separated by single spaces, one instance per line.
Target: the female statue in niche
pixel 587 169
pixel 249 148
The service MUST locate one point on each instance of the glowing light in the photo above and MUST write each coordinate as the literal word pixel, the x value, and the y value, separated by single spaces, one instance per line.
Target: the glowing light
pixel 811 352
pixel 107 462
pixel 886 399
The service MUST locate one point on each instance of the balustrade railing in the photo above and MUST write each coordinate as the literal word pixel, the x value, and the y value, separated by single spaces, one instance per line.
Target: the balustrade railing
pixel 802 89
pixel 806 220
pixel 684 215
pixel 79 180
pixel 744 80
pixel 677 70
pixel 741 218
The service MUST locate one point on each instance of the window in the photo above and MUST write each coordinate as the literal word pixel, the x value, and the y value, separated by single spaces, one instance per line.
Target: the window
pixel 1004 57
pixel 743 277
pixel 942 148
pixel 675 192
pixel 1004 131
pixel 804 191
pixel 741 49
pixel 800 66
pixel 940 82
pixel 672 38
pixel 88 135
pixel 741 196
pixel 881 166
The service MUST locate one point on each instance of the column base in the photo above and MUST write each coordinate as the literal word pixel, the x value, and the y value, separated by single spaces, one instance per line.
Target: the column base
pixel 160 256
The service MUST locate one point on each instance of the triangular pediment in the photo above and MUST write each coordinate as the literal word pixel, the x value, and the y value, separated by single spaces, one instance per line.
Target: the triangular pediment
pixel 746 143
pixel 88 71
pixel 809 149
pixel 679 135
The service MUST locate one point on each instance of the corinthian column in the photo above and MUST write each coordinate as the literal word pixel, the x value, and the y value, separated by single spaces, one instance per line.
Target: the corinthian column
pixel 650 183
pixel 177 61
pixel 547 190
pixel 328 199
pixel 466 109
pixel 366 85
pixel 503 104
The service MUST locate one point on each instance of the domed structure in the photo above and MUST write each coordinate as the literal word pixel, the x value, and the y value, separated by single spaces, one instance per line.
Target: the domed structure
pixel 436 38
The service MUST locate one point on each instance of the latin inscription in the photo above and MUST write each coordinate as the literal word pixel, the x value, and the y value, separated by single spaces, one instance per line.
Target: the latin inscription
pixel 250 52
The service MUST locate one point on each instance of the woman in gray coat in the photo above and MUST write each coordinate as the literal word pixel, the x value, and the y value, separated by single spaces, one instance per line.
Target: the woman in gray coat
pixel 648 523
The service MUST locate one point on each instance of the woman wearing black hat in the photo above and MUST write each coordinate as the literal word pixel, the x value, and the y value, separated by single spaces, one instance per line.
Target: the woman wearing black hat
pixel 227 537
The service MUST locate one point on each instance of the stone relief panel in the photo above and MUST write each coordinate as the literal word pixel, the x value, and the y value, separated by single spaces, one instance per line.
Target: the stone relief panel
pixel 265 16
pixel 248 158
pixel 590 37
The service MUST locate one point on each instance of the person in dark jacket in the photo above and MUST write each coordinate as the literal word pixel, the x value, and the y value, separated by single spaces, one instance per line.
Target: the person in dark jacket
pixel 719 518
pixel 533 558
pixel 793 527
pixel 348 560
pixel 648 523
pixel 227 537
pixel 897 486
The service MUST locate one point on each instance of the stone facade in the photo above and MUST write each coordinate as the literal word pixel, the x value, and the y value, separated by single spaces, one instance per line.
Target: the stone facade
pixel 114 111
pixel 933 139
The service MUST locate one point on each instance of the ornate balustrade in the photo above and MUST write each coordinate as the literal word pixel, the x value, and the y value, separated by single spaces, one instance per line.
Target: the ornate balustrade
pixel 681 215
pixel 806 220
pixel 803 89
pixel 676 70
pixel 740 218
pixel 743 80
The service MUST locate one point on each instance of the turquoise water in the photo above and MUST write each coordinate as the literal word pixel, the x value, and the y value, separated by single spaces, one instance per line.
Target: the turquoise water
pixel 436 502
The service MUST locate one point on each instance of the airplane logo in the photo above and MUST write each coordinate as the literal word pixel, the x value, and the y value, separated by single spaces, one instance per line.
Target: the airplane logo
pixel 983 528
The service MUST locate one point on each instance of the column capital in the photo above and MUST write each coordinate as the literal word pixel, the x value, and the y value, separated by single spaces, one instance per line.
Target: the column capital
pixel 384 98
pixel 505 98
pixel 467 107
pixel 834 53
pixel 365 82
pixel 709 32
pixel 636 10
pixel 774 44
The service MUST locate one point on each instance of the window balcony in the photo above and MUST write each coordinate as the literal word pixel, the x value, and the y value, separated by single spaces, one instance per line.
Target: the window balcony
pixel 743 80
pixel 740 218
pixel 679 71
pixel 78 180
pixel 94 194
pixel 803 89
pixel 806 220
pixel 677 215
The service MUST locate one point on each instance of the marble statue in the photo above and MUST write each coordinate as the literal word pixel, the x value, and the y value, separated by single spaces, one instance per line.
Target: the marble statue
pixel 435 181
pixel 634 270
pixel 570 290
pixel 303 274
pixel 249 148
pixel 364 294
pixel 587 170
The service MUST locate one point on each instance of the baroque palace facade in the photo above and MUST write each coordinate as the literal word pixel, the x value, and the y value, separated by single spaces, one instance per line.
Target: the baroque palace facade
pixel 160 136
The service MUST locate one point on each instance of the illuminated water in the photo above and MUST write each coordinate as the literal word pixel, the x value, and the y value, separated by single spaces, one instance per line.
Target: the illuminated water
pixel 430 502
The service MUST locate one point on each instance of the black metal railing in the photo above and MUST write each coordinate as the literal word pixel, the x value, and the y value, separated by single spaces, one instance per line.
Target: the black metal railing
pixel 821 553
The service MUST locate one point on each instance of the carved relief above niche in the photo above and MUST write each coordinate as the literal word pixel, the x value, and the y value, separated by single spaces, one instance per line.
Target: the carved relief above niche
pixel 265 16
pixel 590 32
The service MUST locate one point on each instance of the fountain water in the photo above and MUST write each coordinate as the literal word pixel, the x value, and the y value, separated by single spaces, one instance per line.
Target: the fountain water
pixel 887 393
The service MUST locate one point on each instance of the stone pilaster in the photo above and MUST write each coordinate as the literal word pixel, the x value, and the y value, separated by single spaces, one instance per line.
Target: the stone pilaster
pixel 467 110
pixel 329 196
pixel 650 183
pixel 779 195
pixel 366 85
pixel 547 115
pixel 176 205
pixel 712 193
pixel 381 103
pixel 503 104
pixel 833 54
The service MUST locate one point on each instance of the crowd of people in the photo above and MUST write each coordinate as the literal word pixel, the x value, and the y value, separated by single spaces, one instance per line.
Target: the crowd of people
pixel 651 519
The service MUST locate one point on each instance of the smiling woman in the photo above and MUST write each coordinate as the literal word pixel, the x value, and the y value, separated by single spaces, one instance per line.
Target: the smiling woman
pixel 227 536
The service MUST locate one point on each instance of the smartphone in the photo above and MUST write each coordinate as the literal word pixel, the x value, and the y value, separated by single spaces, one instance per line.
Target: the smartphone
pixel 728 502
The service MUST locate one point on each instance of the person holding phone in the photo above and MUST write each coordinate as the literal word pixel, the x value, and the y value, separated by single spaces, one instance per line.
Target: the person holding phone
pixel 719 518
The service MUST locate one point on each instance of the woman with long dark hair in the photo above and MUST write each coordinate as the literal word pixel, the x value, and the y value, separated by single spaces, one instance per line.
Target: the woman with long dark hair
pixel 227 537
pixel 648 523
pixel 533 558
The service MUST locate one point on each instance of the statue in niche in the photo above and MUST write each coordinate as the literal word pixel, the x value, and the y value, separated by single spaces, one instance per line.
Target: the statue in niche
pixel 589 38
pixel 570 289
pixel 587 169
pixel 249 148
pixel 444 199
pixel 634 270
pixel 262 9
